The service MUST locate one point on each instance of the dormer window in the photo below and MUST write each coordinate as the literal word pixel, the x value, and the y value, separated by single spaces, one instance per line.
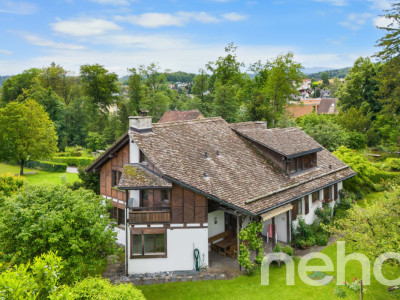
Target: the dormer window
pixel 143 157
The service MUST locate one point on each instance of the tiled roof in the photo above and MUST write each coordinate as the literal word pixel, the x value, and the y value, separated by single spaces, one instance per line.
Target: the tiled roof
pixel 327 106
pixel 137 176
pixel 238 173
pixel 175 115
pixel 287 141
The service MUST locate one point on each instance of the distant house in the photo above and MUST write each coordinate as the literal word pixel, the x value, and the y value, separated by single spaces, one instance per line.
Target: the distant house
pixel 306 106
pixel 185 185
pixel 176 115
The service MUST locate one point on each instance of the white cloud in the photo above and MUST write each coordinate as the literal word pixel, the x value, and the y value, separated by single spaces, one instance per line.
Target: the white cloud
pixel 356 21
pixel 6 52
pixel 380 4
pixel 18 8
pixel 38 41
pixel 181 18
pixel 84 27
pixel 334 2
pixel 385 22
pixel 234 17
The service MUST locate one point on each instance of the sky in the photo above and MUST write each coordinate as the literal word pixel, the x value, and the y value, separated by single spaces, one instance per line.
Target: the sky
pixel 184 34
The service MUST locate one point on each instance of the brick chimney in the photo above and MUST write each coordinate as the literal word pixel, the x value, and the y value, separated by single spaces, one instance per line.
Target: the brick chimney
pixel 140 124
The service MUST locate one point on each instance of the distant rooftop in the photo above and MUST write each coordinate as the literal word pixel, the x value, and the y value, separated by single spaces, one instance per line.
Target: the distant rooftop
pixel 176 115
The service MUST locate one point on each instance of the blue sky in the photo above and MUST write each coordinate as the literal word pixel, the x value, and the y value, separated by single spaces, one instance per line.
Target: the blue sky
pixel 184 35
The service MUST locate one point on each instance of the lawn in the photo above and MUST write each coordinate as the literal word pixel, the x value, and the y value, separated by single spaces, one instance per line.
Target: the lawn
pixel 249 287
pixel 41 177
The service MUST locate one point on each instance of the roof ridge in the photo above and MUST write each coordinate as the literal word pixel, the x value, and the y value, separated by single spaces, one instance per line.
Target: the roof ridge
pixel 176 123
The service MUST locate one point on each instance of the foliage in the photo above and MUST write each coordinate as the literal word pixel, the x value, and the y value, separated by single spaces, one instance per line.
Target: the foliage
pixel 10 184
pixel 346 202
pixel 303 236
pixel 321 239
pixel 277 248
pixel 365 170
pixel 324 213
pixel 288 250
pixel 339 73
pixel 49 166
pixel 340 292
pixel 355 285
pixel 251 240
pixel 354 120
pixel 26 133
pixel 392 164
pixel 39 219
pixel 102 289
pixel 96 141
pixel 356 140
pixel 390 42
pixel 37 280
pixel 89 181
pixel 74 161
pixel 372 230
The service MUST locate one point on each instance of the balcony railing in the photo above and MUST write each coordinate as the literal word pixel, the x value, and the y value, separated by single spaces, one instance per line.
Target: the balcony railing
pixel 149 215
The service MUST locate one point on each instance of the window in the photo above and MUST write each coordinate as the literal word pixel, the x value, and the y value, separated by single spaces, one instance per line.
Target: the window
pixel 165 195
pixel 115 177
pixel 335 191
pixel 315 196
pixel 150 244
pixel 144 197
pixel 121 217
pixel 326 193
pixel 142 157
pixel 113 213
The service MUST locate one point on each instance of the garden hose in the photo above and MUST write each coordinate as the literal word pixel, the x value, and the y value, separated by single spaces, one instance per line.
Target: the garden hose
pixel 196 254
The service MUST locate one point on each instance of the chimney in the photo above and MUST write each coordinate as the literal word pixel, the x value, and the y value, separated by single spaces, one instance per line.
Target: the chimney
pixel 261 124
pixel 140 124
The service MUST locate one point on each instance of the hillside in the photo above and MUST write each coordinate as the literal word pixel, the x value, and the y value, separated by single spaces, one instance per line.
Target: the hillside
pixel 340 73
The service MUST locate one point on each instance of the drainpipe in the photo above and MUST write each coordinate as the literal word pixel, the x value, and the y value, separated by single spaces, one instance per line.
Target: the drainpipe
pixel 126 231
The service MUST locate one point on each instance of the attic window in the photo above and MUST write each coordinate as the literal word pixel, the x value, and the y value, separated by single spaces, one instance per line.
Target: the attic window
pixel 217 152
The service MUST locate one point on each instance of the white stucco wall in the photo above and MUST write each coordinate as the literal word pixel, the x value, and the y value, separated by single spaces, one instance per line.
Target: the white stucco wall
pixel 120 235
pixel 219 227
pixel 281 227
pixel 245 221
pixel 134 152
pixel 180 246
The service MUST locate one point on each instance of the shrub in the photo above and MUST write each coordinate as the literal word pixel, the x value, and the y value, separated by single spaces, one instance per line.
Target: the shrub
pixel 277 248
pixel 251 240
pixel 356 140
pixel 321 240
pixel 303 236
pixel 9 184
pixel 340 292
pixel 46 166
pixel 288 250
pixel 74 161
pixel 392 164
pixel 76 224
pixel 102 289
pixel 89 181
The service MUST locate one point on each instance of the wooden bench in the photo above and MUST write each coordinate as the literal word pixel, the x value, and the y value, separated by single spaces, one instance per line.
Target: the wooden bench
pixel 224 243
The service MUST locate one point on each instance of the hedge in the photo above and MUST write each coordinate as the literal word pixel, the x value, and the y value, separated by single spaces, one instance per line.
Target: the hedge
pixel 74 161
pixel 46 166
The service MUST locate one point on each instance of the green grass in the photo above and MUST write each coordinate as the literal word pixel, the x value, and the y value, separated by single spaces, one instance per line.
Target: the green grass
pixel 249 287
pixel 41 177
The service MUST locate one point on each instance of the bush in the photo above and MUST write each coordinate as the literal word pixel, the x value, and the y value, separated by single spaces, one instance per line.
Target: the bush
pixel 288 250
pixel 102 289
pixel 321 240
pixel 75 224
pixel 277 248
pixel 356 140
pixel 392 164
pixel 303 236
pixel 324 213
pixel 89 181
pixel 9 184
pixel 74 161
pixel 46 166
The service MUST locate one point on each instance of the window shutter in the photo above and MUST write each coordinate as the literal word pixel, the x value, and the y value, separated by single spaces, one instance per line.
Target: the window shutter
pixel 294 210
pixel 307 203
pixel 335 191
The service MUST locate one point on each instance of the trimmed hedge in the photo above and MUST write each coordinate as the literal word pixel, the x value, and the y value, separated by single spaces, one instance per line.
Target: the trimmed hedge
pixel 46 166
pixel 74 161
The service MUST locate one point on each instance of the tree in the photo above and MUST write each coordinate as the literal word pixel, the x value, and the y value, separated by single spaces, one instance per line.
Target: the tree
pixel 55 77
pixel 99 85
pixel 200 85
pixel 354 120
pixel 225 103
pixel 325 79
pixel 15 85
pixel 360 86
pixel 135 91
pixel 75 224
pixel 391 41
pixel 284 75
pixel 372 230
pixel 26 133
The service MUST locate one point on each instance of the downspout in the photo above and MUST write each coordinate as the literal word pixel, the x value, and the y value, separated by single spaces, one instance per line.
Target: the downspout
pixel 126 232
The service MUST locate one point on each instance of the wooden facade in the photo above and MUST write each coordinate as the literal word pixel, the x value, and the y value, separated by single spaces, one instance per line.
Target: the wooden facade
pixel 116 162
pixel 187 206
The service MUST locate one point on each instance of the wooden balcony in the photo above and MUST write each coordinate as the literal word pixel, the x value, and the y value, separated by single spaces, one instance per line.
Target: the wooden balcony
pixel 149 215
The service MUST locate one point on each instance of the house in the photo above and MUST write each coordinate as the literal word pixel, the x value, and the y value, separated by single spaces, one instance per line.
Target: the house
pixel 303 107
pixel 176 115
pixel 177 186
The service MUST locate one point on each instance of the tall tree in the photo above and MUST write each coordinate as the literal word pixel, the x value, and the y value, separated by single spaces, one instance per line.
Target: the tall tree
pixel 15 85
pixel 26 133
pixel 360 86
pixel 284 76
pixel 390 43
pixel 55 77
pixel 135 91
